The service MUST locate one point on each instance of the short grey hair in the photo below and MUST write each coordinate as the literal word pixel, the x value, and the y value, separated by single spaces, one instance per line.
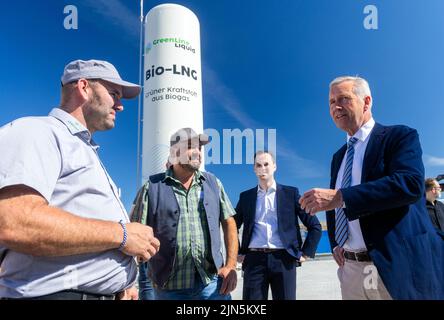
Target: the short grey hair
pixel 360 86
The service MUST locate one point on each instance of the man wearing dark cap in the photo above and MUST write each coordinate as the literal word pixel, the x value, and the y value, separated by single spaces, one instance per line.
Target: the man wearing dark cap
pixel 64 233
pixel 185 207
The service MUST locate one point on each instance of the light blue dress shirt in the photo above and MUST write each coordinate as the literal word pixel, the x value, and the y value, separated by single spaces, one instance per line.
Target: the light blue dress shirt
pixel 56 156
pixel 265 230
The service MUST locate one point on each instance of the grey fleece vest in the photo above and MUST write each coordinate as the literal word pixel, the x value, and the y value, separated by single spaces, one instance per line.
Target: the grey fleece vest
pixel 163 217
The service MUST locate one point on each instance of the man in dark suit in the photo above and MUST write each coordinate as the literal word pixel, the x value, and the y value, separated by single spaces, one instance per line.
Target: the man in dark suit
pixel 379 230
pixel 433 205
pixel 271 240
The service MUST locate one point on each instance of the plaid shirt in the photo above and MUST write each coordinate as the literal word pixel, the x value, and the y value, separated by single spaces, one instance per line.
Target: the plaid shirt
pixel 193 251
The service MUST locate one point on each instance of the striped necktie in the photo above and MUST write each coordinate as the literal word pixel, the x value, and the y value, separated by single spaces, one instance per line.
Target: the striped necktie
pixel 341 233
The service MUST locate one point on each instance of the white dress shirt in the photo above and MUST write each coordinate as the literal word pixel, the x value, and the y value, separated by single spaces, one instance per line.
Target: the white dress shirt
pixel 355 241
pixel 265 230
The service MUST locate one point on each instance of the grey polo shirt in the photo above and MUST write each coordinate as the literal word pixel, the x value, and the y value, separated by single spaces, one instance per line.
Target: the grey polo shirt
pixel 57 157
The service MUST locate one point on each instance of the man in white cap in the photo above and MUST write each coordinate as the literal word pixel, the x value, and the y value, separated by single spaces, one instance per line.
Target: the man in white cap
pixel 64 233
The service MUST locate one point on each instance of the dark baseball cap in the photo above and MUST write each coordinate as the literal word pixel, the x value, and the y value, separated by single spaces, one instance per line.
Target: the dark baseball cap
pixel 97 69
pixel 187 134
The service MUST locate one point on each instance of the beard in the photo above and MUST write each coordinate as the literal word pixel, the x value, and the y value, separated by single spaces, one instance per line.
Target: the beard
pixel 189 167
pixel 192 164
pixel 96 114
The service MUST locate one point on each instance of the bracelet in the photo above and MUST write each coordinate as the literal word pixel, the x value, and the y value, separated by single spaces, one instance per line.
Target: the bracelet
pixel 125 235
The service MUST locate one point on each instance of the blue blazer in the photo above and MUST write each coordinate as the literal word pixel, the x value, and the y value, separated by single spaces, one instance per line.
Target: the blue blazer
pixel 288 211
pixel 390 205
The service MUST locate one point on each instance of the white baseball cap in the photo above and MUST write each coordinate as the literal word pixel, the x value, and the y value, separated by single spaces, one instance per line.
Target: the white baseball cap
pixel 97 69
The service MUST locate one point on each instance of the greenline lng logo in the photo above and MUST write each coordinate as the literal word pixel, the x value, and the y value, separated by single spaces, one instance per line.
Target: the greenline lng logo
pixel 178 43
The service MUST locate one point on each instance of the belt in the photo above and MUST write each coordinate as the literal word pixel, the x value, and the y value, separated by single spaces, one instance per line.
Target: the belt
pixel 70 295
pixel 264 250
pixel 362 256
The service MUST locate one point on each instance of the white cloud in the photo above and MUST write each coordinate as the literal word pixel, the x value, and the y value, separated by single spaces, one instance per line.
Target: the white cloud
pixel 433 161
pixel 226 98
pixel 302 168
pixel 115 12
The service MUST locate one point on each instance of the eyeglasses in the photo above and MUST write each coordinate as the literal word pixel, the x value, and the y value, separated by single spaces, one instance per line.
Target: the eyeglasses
pixel 437 188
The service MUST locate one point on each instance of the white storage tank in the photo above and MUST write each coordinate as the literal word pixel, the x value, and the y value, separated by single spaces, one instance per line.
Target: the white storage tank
pixel 172 82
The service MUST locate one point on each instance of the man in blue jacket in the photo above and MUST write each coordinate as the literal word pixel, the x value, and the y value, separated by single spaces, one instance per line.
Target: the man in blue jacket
pixel 271 240
pixel 379 229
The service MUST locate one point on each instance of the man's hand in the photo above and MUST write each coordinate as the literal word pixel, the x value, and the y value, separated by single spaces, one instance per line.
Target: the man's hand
pixel 140 242
pixel 230 280
pixel 316 200
pixel 338 254
pixel 128 294
pixel 303 258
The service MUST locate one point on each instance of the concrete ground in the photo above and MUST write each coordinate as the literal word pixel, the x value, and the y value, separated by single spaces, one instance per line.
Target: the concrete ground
pixel 316 280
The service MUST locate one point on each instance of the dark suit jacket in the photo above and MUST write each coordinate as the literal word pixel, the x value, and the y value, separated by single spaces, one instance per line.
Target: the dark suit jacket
pixel 288 211
pixel 390 206
pixel 436 214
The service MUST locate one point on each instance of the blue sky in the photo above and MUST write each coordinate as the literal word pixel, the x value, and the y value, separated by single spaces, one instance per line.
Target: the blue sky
pixel 266 64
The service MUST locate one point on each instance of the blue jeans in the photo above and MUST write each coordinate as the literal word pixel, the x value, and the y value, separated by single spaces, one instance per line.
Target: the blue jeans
pixel 199 292
pixel 146 290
